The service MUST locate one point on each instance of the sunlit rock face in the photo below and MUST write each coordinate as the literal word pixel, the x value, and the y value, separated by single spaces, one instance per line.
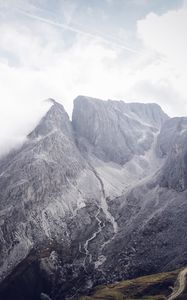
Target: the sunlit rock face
pixel 94 200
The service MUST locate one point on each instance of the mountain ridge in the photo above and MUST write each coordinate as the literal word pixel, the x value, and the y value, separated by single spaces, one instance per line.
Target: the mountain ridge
pixel 94 189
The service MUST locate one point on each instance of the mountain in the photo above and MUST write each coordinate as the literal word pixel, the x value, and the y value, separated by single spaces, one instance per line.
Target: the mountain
pixel 32 183
pixel 93 200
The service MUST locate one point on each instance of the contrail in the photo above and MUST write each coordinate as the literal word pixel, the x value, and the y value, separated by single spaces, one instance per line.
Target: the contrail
pixel 75 30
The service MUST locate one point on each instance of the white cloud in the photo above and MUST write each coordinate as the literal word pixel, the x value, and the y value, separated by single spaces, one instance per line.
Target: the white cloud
pixel 166 35
pixel 38 64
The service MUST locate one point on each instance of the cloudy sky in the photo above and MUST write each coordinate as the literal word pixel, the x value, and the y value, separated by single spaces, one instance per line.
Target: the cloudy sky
pixel 131 50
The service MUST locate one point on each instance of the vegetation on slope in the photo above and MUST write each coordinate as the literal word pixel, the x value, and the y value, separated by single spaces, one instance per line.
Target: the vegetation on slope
pixel 152 287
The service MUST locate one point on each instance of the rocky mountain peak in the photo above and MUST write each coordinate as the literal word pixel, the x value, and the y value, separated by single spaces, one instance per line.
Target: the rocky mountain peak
pixel 56 119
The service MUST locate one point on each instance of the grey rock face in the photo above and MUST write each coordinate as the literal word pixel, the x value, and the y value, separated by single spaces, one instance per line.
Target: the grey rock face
pixel 114 130
pixel 172 143
pixel 153 236
pixel 33 183
pixel 94 200
pixel 153 213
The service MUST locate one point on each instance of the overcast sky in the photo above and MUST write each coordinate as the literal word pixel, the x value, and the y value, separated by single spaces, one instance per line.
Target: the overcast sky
pixel 131 50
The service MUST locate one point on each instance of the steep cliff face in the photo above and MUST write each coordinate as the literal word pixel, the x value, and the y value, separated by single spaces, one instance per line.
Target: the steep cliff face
pixel 98 199
pixel 113 130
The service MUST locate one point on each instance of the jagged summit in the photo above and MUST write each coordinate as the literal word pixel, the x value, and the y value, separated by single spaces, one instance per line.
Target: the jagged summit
pixel 56 118
pixel 98 100
pixel 51 100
